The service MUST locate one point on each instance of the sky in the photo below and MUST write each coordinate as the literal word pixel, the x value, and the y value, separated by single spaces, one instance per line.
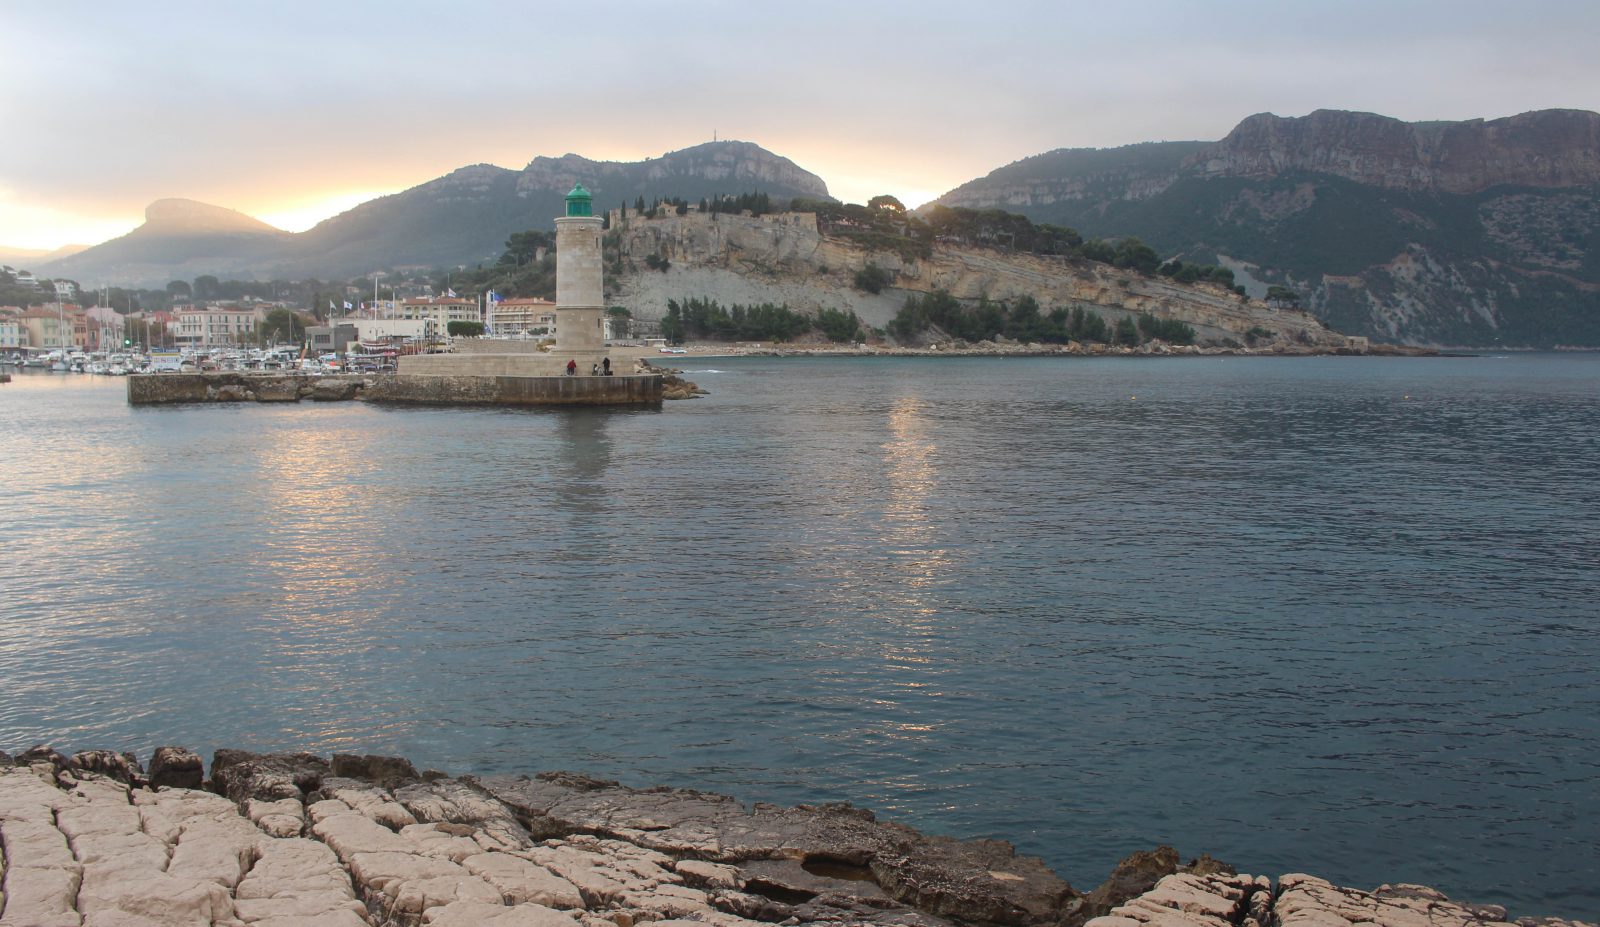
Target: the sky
pixel 294 111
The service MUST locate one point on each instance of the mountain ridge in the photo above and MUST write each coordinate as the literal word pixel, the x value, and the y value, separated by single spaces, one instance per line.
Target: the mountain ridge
pixel 460 218
pixel 1471 233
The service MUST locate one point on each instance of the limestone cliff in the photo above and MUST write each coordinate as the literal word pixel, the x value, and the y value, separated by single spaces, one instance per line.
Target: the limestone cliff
pixel 786 259
pixel 1482 232
pixel 736 166
pixel 1549 148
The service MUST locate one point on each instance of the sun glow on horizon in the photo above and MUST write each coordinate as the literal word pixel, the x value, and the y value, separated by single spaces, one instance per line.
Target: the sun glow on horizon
pixel 41 228
pixel 302 213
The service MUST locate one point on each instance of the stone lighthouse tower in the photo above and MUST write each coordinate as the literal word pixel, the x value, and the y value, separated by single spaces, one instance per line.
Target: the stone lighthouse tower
pixel 580 297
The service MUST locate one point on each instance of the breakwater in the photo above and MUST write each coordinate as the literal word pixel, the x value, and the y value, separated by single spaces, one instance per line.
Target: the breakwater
pixel 165 388
pixel 172 388
pixel 295 840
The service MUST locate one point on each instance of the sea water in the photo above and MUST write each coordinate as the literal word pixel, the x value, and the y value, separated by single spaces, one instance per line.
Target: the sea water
pixel 1335 615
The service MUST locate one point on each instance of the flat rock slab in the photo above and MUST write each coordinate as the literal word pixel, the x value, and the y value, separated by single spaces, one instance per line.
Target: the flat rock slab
pixel 87 842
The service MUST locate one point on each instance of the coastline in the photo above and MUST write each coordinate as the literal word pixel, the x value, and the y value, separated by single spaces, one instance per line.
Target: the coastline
pixel 298 840
pixel 1073 349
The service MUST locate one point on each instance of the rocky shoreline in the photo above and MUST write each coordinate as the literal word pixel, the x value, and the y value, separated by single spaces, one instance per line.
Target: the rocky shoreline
pixel 1071 349
pixel 96 839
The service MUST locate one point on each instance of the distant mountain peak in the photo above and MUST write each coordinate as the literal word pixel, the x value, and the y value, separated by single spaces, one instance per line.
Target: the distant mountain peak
pixel 741 165
pixel 178 216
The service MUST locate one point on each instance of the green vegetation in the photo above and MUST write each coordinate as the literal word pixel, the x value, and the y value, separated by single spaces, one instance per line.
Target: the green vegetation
pixel 1185 272
pixel 876 228
pixel 1168 330
pixel 871 279
pixel 281 327
pixel 462 329
pixel 757 204
pixel 1025 321
pixel 1281 297
pixel 839 325
pixel 523 247
pixel 705 318
pixel 657 262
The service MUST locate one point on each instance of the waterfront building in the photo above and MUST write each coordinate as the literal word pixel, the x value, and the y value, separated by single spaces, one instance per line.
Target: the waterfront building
pixel 48 329
pixel 12 335
pixel 216 327
pixel 441 310
pixel 512 317
pixel 336 338
pixel 377 331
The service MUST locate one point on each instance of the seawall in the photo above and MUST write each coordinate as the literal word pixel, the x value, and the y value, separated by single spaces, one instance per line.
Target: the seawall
pixel 517 391
pixel 162 388
pixel 478 389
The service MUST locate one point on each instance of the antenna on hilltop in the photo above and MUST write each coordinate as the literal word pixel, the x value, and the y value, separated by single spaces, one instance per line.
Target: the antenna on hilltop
pixel 713 135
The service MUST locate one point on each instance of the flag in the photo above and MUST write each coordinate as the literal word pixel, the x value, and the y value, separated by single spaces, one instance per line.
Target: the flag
pixel 347 306
pixel 450 293
pixel 331 306
pixel 495 297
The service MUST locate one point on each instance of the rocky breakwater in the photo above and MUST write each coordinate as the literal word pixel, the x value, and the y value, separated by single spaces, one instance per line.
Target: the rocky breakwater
pixel 166 388
pixel 296 840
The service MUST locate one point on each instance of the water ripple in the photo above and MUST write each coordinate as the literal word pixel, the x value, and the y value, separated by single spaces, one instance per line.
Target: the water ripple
pixel 1334 615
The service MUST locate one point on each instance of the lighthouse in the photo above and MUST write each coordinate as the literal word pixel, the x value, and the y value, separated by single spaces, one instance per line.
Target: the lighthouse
pixel 580 284
pixel 516 372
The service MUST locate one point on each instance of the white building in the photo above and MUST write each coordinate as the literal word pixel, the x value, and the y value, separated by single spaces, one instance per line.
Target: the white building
pixel 376 330
pixel 216 327
pixel 441 310
pixel 511 317
pixel 12 335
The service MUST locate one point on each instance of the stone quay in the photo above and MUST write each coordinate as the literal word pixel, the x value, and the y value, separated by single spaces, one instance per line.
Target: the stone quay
pixel 98 839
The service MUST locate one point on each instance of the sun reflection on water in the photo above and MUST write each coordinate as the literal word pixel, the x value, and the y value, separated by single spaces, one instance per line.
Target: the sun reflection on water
pixel 912 533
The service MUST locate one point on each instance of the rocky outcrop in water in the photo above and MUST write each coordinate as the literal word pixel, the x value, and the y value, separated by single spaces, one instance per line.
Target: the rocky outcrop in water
pixel 294 840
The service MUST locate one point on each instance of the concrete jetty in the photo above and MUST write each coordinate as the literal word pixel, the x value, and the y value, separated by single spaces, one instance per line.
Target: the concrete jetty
pixel 297 840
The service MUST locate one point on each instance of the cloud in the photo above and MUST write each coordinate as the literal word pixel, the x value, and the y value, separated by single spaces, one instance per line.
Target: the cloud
pixel 262 106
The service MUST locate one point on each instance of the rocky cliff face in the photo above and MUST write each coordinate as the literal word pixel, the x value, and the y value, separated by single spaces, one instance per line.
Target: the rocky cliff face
pixel 1549 148
pixel 736 166
pixel 1477 233
pixel 785 259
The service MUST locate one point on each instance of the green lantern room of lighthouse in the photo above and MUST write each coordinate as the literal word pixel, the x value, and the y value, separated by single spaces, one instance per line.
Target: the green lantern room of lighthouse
pixel 579 202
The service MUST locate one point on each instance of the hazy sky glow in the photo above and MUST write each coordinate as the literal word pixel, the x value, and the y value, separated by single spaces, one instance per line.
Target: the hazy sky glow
pixel 294 111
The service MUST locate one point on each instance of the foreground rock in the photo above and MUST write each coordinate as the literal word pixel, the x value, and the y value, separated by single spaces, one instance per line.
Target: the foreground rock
pixel 292 840
pixel 1188 899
